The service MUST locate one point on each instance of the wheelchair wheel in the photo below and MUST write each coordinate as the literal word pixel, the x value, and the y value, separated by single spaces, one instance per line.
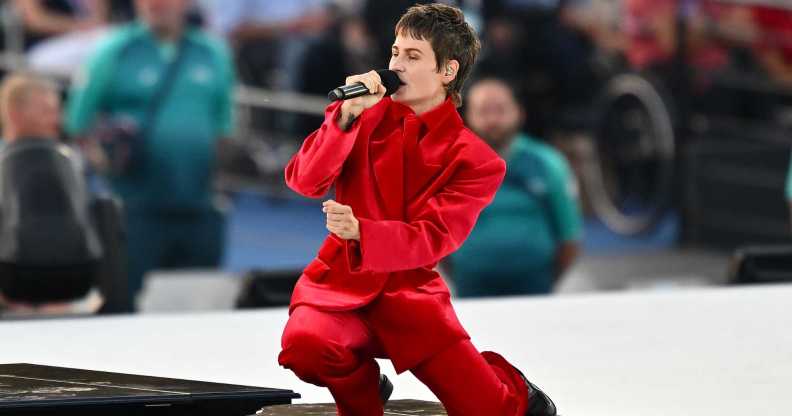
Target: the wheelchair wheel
pixel 629 177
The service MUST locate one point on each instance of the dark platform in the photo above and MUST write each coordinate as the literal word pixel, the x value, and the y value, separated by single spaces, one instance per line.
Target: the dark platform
pixel 27 389
pixel 394 408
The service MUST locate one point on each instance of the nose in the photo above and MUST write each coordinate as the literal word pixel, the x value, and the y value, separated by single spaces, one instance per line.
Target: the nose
pixel 396 65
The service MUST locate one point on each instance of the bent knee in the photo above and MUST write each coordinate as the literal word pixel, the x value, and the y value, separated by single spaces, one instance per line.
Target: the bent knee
pixel 314 358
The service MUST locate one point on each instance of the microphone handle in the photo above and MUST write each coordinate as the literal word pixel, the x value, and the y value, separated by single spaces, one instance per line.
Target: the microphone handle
pixel 346 92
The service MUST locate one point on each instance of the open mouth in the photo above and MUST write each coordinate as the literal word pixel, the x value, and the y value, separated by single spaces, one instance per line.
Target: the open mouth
pixel 401 84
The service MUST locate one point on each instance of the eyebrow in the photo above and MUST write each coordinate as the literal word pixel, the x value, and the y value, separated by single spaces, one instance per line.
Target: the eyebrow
pixel 408 50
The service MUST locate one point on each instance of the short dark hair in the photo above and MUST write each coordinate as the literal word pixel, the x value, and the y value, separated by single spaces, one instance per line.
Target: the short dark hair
pixel 449 34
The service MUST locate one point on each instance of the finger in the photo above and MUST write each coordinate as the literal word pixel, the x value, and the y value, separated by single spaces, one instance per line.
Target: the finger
pixel 374 75
pixel 371 84
pixel 373 81
pixel 381 91
pixel 335 216
pixel 339 209
pixel 327 204
pixel 353 79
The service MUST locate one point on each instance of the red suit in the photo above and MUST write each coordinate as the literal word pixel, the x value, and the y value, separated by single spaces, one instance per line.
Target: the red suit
pixel 416 184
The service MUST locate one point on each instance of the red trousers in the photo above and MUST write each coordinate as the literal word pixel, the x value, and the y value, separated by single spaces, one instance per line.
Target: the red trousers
pixel 337 350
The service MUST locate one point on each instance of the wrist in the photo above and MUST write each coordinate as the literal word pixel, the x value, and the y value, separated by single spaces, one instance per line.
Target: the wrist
pixel 348 114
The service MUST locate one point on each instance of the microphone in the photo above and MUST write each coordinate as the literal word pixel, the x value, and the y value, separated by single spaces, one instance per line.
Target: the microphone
pixel 390 81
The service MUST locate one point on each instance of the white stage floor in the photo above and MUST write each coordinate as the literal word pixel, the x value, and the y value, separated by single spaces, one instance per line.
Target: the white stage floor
pixel 695 352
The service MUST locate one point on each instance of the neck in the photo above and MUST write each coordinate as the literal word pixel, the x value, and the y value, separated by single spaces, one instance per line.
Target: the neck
pixel 11 135
pixel 429 104
pixel 168 34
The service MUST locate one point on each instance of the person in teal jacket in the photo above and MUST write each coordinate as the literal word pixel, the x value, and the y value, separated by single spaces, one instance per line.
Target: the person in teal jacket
pixel 529 235
pixel 171 220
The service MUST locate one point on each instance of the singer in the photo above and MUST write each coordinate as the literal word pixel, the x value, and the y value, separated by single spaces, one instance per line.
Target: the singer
pixel 410 182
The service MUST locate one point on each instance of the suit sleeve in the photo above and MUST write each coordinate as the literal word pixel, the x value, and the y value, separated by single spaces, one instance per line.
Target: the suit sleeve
pixel 314 168
pixel 438 229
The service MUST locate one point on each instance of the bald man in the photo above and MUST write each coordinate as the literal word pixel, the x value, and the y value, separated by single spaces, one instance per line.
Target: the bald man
pixel 30 108
pixel 528 237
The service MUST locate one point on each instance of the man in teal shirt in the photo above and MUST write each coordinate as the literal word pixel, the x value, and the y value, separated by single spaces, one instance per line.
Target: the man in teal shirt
pixel 528 236
pixel 167 194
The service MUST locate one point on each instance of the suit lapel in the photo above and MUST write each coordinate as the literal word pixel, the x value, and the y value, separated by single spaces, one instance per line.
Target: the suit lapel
pixel 429 159
pixel 422 165
pixel 388 163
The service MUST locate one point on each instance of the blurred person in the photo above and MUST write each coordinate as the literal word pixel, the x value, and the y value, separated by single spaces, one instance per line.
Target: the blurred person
pixel 166 91
pixel 380 17
pixel 269 37
pixel 30 112
pixel 529 236
pixel 597 19
pixel 547 62
pixel 30 108
pixel 43 19
pixel 650 30
pixel 773 45
pixel 643 31
pixel 345 49
pixel 410 181
pixel 61 34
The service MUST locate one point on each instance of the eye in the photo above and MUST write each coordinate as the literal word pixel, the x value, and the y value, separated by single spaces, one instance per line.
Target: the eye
pixel 412 58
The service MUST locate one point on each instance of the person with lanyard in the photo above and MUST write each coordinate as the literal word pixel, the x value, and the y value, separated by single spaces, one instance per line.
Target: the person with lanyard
pixel 410 181
pixel 529 236
pixel 165 90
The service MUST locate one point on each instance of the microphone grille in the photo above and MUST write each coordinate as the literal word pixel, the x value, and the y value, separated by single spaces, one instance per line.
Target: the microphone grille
pixel 390 80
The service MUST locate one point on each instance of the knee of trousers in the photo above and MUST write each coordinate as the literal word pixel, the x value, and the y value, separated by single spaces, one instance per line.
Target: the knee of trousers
pixel 316 359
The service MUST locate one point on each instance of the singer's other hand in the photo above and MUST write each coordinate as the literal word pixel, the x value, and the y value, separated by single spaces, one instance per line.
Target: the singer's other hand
pixel 341 221
pixel 352 108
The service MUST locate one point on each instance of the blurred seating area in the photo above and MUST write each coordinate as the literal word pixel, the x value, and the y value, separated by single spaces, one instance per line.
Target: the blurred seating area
pixel 648 142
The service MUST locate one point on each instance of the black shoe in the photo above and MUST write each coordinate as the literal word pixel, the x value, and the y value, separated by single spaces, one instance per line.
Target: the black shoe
pixel 385 388
pixel 539 404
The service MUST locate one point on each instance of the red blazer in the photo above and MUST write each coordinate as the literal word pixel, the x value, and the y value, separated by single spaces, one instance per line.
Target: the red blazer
pixel 416 203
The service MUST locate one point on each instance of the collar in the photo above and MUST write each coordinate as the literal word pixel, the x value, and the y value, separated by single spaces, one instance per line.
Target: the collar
pixel 436 116
pixel 431 119
pixel 143 28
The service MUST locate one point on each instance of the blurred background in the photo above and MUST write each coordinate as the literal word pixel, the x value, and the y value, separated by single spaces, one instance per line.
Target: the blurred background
pixel 647 144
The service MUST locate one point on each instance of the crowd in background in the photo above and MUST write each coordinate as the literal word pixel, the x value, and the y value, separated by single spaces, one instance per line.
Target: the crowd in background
pixel 549 51
pixel 539 57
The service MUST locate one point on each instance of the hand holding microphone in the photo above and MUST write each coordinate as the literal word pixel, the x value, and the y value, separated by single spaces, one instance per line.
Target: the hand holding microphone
pixel 362 92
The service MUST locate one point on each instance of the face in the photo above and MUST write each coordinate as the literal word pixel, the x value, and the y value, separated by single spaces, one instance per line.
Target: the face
pixel 162 14
pixel 38 115
pixel 414 61
pixel 493 113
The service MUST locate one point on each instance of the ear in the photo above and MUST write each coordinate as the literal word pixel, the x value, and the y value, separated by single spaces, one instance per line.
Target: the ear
pixel 449 71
